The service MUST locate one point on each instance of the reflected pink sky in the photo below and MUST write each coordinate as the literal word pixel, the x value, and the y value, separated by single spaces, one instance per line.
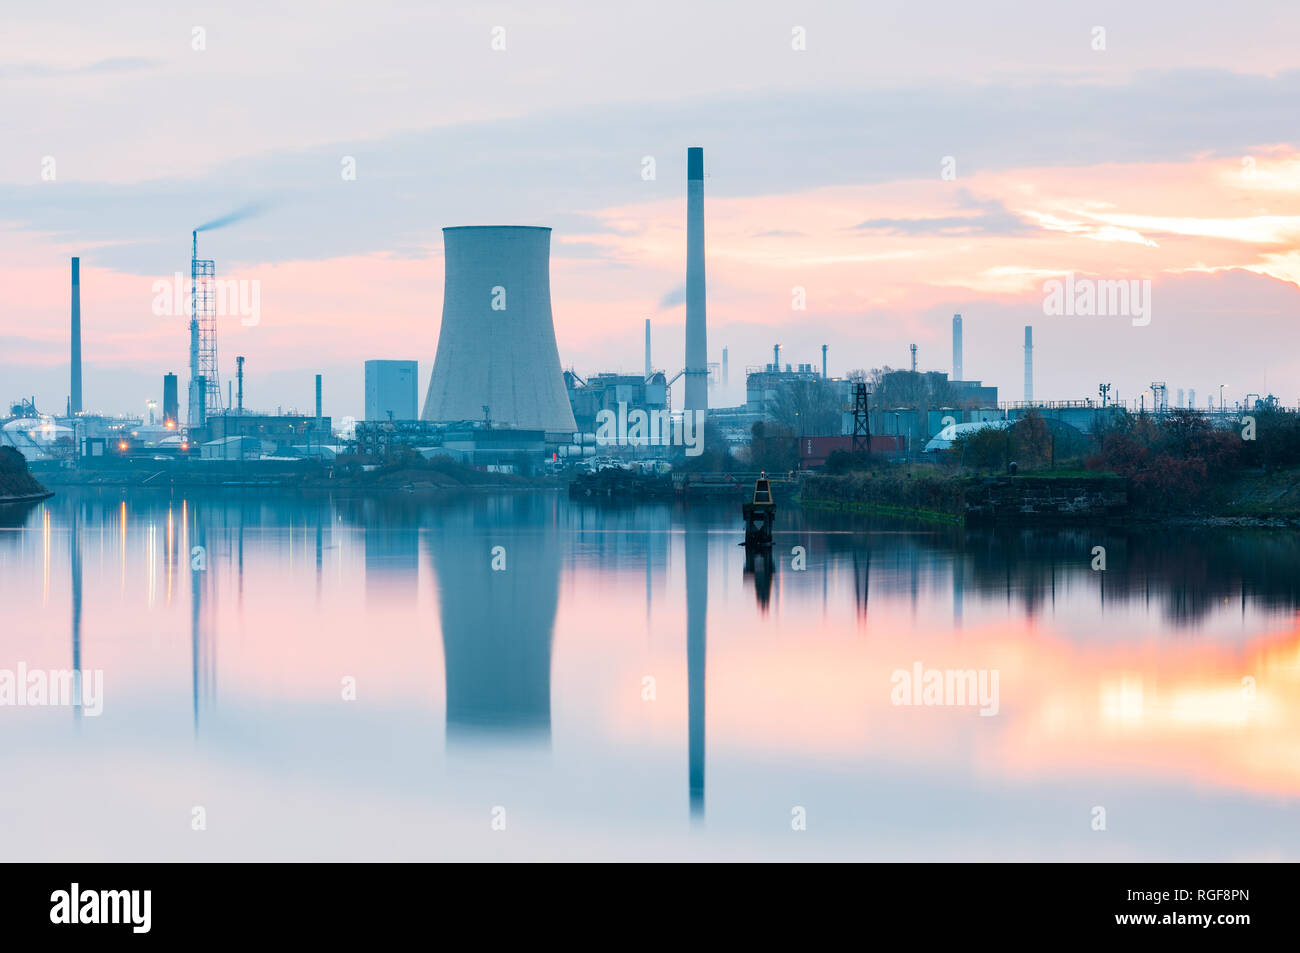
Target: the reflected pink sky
pixel 1092 701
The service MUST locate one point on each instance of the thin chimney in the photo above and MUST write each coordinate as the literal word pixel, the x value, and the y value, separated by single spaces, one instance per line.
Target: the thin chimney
pixel 1029 364
pixel 697 369
pixel 74 400
pixel 956 348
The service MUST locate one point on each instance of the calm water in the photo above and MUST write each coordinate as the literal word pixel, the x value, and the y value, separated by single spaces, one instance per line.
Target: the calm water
pixel 623 688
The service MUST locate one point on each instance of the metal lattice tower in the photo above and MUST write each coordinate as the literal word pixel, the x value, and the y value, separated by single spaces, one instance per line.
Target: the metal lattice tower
pixel 1160 397
pixel 861 423
pixel 203 311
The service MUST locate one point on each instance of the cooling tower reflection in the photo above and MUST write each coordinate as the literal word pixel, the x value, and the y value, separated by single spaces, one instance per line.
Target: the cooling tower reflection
pixel 497 564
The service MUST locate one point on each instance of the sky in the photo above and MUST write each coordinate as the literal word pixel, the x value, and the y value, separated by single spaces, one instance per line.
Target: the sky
pixel 887 165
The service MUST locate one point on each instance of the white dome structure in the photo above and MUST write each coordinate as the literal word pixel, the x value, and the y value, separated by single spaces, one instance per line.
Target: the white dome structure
pixel 946 437
pixel 497 359
pixel 35 437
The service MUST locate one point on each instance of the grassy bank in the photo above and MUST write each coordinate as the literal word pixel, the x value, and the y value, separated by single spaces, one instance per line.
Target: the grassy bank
pixel 921 493
pixel 1264 496
pixel 16 483
pixel 930 493
pixel 883 509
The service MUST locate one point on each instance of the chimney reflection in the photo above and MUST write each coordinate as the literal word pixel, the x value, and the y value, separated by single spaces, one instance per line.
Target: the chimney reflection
pixel 74 554
pixel 697 604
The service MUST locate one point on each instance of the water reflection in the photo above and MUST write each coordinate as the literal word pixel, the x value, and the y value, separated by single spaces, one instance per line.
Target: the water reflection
pixel 74 572
pixel 760 567
pixel 697 606
pixel 520 622
pixel 497 564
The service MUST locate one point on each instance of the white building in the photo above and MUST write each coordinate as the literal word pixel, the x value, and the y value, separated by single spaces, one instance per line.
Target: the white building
pixel 392 390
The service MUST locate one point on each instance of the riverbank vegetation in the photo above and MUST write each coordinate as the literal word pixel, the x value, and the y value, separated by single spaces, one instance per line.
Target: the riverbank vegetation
pixel 16 482
pixel 1176 464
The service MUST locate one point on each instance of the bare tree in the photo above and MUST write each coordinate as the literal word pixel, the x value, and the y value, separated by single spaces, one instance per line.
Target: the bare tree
pixel 809 407
pixel 901 388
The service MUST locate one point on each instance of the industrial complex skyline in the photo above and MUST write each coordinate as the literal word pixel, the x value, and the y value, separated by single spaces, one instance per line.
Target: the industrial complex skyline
pixel 853 204
pixel 736 431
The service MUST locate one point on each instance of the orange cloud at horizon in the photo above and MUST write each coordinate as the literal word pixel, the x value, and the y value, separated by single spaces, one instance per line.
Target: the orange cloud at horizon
pixel 1156 710
pixel 986 242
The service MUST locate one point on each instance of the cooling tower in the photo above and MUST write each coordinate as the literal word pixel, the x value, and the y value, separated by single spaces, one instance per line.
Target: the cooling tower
pixel 496 347
pixel 697 369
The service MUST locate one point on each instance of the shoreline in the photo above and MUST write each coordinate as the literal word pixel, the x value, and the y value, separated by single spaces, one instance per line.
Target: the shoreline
pixel 24 500
pixel 1130 521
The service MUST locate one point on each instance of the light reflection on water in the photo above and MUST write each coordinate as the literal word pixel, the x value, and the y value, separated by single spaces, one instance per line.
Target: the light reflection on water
pixel 623 685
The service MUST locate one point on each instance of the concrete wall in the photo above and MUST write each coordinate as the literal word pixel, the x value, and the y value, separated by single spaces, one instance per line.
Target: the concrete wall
pixel 1030 499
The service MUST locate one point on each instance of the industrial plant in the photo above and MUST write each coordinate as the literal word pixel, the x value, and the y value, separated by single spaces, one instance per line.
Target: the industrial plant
pixel 720 433
pixel 500 398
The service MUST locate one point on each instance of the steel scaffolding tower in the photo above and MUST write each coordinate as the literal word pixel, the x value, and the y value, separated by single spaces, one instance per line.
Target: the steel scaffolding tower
pixel 203 335
pixel 1160 397
pixel 861 422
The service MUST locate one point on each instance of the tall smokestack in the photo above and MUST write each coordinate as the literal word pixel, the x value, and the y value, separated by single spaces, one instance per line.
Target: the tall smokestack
pixel 697 369
pixel 724 367
pixel 824 347
pixel 74 400
pixel 171 402
pixel 1029 364
pixel 198 395
pixel 318 413
pixel 956 348
pixel 647 348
